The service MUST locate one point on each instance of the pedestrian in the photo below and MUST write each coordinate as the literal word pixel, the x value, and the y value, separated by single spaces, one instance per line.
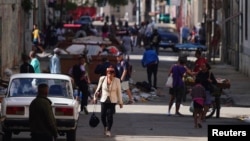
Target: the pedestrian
pixel 81 79
pixel 185 33
pixel 150 60
pixel 122 68
pixel 60 32
pixel 55 63
pixel 199 61
pixel 202 34
pixel 198 94
pixel 111 95
pixel 35 62
pixel 207 78
pixel 216 40
pixel 36 39
pixel 26 67
pixel 41 117
pixel 101 68
pixel 127 43
pixel 105 30
pixel 155 40
pixel 178 70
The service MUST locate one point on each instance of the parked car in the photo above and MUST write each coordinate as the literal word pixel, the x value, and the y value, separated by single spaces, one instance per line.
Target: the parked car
pixel 169 35
pixel 22 89
pixel 84 20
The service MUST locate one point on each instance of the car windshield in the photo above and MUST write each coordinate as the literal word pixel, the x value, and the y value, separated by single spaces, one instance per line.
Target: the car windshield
pixel 26 87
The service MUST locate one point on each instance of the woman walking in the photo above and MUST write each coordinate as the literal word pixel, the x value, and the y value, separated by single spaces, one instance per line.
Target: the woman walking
pixel 111 95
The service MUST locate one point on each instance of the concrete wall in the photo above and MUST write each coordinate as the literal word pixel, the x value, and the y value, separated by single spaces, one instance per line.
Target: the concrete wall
pixel 11 34
pixel 244 57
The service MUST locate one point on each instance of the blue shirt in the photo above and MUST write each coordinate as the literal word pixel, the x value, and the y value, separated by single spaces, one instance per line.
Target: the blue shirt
pixel 149 56
pixel 185 32
pixel 55 66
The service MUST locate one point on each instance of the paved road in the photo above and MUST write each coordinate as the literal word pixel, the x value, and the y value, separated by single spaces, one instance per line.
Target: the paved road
pixel 147 121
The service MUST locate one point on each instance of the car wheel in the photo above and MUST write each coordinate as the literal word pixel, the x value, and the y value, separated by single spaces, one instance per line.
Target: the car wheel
pixel 7 136
pixel 71 135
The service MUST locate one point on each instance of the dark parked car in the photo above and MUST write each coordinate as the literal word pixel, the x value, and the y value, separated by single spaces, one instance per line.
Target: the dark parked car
pixel 84 20
pixel 169 36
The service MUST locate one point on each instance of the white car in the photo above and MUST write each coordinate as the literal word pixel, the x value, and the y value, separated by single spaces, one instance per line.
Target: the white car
pixel 22 89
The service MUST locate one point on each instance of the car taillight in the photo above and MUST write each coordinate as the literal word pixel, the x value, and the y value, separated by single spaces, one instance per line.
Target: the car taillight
pixel 62 111
pixel 15 110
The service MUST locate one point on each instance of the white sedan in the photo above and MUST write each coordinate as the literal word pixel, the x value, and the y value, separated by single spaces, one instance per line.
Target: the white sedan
pixel 22 89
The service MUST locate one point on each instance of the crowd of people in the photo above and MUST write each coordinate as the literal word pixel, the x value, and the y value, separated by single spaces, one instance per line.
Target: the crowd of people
pixel 114 78
pixel 200 92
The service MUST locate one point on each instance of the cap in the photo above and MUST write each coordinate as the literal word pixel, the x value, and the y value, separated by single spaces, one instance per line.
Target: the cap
pixel 57 50
pixel 119 54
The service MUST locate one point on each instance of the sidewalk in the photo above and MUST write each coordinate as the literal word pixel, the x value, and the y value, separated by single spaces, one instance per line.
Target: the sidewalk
pixel 239 90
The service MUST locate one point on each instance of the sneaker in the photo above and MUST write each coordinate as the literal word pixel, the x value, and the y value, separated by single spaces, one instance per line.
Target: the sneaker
pixel 108 133
pixel 168 114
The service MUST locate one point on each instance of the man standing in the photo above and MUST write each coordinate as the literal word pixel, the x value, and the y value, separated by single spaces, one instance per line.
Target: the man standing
pixel 41 117
pixel 150 60
pixel 155 40
pixel 185 34
pixel 26 67
pixel 35 62
pixel 55 64
pixel 80 76
pixel 122 73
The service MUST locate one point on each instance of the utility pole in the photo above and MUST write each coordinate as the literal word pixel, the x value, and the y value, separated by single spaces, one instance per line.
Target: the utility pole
pixel 138 17
pixel 208 23
pixel 214 27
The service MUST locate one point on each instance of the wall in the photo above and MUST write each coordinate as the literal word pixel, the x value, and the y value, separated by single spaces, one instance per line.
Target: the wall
pixel 11 44
pixel 244 57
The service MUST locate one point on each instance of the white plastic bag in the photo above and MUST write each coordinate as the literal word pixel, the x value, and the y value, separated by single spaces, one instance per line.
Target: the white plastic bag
pixel 169 82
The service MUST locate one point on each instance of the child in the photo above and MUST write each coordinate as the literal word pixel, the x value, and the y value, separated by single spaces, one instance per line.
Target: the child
pixel 198 96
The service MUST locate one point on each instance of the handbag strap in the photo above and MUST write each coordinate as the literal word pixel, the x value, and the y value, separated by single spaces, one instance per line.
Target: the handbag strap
pixel 94 108
pixel 101 84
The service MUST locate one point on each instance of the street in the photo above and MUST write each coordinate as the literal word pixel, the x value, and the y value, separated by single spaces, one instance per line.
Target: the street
pixel 146 121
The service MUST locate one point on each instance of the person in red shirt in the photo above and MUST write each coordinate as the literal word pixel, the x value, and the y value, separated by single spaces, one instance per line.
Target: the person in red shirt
pixel 199 61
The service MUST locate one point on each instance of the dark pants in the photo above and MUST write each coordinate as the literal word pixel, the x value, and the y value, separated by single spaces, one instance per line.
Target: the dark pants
pixel 152 69
pixel 84 89
pixel 41 137
pixel 107 111
pixel 178 93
